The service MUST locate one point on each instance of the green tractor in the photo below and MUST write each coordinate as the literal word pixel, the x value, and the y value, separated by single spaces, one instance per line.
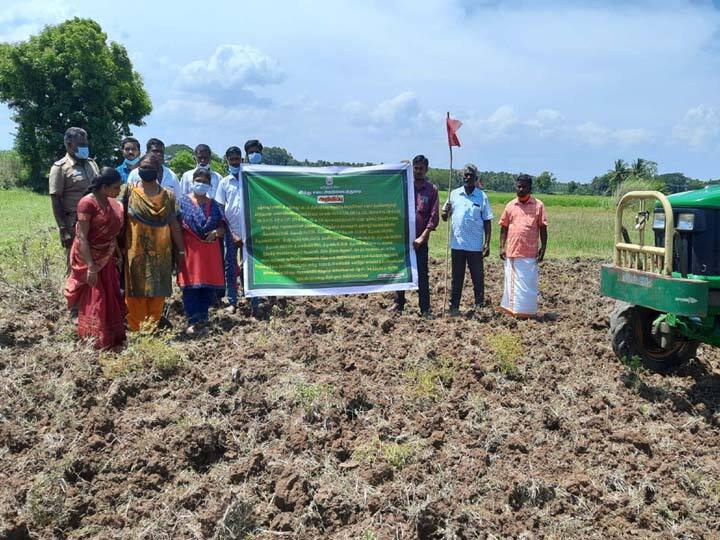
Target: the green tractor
pixel 667 278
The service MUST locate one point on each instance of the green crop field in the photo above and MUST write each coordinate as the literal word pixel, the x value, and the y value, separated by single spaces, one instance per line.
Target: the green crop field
pixel 23 213
pixel 579 226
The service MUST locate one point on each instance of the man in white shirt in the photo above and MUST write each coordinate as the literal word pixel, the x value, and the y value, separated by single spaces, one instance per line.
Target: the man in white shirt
pixel 202 155
pixel 229 196
pixel 169 179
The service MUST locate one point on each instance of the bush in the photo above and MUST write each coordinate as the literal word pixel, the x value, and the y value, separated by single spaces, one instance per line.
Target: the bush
pixel 12 171
pixel 633 184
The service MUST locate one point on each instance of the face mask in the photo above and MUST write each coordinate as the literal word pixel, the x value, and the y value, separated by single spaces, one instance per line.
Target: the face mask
pixel 204 167
pixel 255 158
pixel 200 189
pixel 148 175
pixel 234 170
pixel 131 162
pixel 82 152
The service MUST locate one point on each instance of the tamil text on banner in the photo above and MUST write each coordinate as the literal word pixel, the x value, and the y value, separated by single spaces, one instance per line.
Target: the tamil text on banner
pixel 328 230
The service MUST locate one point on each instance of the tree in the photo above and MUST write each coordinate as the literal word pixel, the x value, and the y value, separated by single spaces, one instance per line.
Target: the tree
pixel 544 181
pixel 601 185
pixel 183 160
pixel 69 75
pixel 618 174
pixel 643 168
pixel 173 149
pixel 275 155
pixel 637 168
pixel 572 187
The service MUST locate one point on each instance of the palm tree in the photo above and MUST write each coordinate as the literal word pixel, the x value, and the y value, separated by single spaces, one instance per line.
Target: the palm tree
pixel 638 168
pixel 619 174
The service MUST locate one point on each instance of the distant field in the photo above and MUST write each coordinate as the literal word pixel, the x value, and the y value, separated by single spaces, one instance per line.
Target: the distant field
pixel 579 226
pixel 23 213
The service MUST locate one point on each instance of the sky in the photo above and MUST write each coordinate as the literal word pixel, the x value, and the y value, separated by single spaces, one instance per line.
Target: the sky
pixel 566 86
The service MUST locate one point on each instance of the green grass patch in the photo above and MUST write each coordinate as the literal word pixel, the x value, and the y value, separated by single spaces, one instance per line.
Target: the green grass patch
pixel 145 350
pixel 431 381
pixel 312 397
pixel 25 213
pixel 507 348
pixel 397 455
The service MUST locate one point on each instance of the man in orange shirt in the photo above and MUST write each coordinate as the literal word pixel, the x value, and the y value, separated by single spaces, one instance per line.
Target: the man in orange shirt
pixel 522 222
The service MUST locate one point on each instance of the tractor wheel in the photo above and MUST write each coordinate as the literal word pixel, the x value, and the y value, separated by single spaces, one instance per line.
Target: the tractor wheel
pixel 631 335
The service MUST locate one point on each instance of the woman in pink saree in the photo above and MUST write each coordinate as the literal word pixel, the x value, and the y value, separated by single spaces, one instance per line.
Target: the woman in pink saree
pixel 93 286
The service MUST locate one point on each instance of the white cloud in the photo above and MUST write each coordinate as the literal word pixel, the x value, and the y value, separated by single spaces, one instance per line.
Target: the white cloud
pixel 592 133
pixel 632 136
pixel 19 22
pixel 700 126
pixel 206 111
pixel 544 118
pixel 402 111
pixel 231 74
pixel 595 134
pixel 502 119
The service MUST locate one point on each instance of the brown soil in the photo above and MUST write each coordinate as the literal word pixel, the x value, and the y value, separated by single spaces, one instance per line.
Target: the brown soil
pixel 332 419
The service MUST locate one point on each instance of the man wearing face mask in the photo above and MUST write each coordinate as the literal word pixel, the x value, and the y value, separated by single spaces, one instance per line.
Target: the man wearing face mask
pixel 167 178
pixel 229 196
pixel 253 151
pixel 470 229
pixel 202 155
pixel 130 147
pixel 69 179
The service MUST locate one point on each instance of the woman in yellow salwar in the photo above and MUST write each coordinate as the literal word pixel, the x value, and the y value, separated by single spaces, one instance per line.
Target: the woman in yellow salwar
pixel 152 229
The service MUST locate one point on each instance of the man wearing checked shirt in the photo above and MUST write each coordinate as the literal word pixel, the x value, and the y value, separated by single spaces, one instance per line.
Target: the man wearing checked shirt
pixel 470 230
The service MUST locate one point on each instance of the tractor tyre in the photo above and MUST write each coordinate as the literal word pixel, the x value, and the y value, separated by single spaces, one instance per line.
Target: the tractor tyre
pixel 631 335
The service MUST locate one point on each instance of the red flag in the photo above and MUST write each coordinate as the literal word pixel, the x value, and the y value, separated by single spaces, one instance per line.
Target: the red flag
pixel 452 127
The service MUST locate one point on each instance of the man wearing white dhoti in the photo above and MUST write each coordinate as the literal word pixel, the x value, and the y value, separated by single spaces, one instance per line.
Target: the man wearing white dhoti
pixel 522 222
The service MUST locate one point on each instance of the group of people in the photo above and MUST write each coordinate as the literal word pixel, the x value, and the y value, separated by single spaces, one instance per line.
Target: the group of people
pixel 523 240
pixel 126 228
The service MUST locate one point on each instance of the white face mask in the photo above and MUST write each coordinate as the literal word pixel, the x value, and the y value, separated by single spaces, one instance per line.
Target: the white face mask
pixel 200 188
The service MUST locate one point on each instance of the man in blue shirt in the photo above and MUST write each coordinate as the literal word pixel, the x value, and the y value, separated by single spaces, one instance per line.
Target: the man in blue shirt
pixel 470 230
pixel 130 147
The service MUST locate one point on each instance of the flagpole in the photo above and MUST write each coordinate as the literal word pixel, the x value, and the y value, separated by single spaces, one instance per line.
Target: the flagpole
pixel 449 224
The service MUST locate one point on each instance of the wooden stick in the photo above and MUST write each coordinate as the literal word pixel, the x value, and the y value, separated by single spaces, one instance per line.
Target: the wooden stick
pixel 449 224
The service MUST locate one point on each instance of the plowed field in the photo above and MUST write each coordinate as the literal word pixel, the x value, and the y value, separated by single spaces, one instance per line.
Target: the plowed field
pixel 332 418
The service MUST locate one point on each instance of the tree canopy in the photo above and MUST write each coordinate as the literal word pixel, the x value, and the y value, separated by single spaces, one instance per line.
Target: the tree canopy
pixel 183 160
pixel 69 75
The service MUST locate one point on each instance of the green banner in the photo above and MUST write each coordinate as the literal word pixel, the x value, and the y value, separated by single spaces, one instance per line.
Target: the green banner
pixel 328 230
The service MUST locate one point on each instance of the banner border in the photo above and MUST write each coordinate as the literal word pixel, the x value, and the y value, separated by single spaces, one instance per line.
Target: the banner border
pixel 317 289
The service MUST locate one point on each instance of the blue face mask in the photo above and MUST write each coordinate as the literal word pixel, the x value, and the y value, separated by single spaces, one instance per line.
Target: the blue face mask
pixel 234 170
pixel 255 158
pixel 131 162
pixel 204 167
pixel 82 152
pixel 200 189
